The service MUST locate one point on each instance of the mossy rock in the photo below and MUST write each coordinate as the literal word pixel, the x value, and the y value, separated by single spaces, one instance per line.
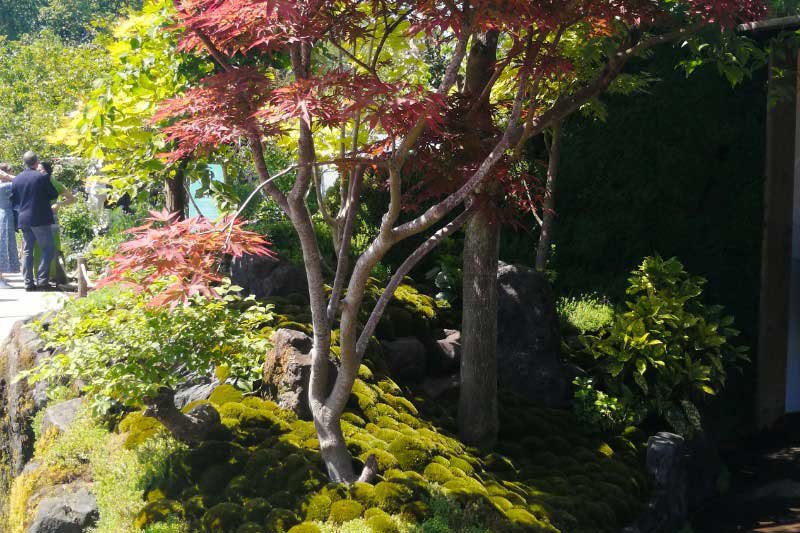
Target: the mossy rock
pixel 158 511
pixel 382 524
pixel 194 506
pixel 522 517
pixel 502 504
pixel 392 495
pixel 223 518
pixel 386 460
pixel 465 488
pixel 280 521
pixel 335 491
pixel 496 462
pixel 225 393
pixel 139 428
pixel 365 374
pixel 216 478
pixel 317 508
pixel 416 511
pixel 250 527
pixel 214 452
pixel 410 453
pixel 281 499
pixel 354 419
pixel 239 488
pixel 461 464
pixel 345 510
pixel 374 511
pixel 364 493
pixel 256 509
pixel 305 527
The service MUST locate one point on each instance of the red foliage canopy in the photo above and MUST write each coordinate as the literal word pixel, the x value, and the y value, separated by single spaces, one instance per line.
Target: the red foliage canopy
pixel 189 251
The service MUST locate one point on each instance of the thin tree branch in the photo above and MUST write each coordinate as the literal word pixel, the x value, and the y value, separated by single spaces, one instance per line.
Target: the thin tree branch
pixel 343 251
pixel 411 261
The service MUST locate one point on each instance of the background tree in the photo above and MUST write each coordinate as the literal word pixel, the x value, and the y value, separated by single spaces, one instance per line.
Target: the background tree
pixel 112 125
pixel 41 79
pixel 367 87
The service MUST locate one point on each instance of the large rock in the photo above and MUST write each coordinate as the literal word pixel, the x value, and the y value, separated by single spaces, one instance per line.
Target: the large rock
pixel 668 508
pixel 287 371
pixel 60 416
pixel 72 510
pixel 528 345
pixel 406 358
pixel 266 276
pixel 22 350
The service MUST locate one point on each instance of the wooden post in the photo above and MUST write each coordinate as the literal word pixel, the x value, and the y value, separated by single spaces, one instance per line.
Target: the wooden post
pixel 83 283
pixel 782 165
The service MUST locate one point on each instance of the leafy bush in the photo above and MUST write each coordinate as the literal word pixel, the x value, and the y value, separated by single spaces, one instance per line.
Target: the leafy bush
pixel 666 353
pixel 78 226
pixel 598 410
pixel 586 313
pixel 124 349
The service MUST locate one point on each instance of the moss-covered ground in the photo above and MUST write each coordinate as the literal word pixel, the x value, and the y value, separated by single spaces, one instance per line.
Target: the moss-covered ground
pixel 262 472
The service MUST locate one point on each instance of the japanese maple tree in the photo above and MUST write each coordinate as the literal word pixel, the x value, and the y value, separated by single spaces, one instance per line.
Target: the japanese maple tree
pixel 356 76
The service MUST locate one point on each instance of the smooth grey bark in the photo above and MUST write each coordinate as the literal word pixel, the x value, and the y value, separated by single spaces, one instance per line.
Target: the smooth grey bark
pixel 478 422
pixel 548 205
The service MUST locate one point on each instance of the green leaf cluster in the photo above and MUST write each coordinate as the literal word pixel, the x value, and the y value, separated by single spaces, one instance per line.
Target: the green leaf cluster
pixel 123 350
pixel 668 351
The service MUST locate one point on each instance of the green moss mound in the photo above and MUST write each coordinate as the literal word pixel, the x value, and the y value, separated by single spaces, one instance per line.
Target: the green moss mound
pixel 161 510
pixel 345 510
pixel 546 474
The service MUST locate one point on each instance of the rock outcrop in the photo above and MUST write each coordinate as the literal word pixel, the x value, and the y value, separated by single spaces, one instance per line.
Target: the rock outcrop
pixel 19 402
pixel 287 371
pixel 528 345
pixel 266 276
pixel 406 357
pixel 60 416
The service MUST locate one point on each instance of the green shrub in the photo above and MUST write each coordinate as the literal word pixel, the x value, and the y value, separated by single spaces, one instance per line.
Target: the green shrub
pixel 668 349
pixel 124 349
pixel 305 527
pixel 280 521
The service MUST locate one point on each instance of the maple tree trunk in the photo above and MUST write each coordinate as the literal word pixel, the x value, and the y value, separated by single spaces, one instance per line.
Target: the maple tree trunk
pixel 477 404
pixel 548 213
pixel 175 192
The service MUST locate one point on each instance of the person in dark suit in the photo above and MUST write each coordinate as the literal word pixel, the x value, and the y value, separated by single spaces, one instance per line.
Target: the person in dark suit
pixel 32 194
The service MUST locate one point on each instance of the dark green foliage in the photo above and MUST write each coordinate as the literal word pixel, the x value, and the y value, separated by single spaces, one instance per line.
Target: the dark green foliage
pixel 256 509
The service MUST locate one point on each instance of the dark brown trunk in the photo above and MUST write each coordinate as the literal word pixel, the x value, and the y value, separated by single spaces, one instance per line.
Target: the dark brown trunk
pixel 548 206
pixel 175 192
pixel 477 406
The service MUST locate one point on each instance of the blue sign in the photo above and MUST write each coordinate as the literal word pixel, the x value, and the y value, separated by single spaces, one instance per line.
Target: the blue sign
pixel 206 205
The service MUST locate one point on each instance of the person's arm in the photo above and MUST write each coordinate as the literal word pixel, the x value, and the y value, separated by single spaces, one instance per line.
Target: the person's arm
pixel 65 196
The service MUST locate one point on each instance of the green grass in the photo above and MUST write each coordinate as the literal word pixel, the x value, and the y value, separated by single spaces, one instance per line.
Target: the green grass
pixel 585 313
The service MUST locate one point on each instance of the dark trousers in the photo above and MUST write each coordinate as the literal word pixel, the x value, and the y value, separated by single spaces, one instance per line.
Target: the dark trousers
pixel 43 235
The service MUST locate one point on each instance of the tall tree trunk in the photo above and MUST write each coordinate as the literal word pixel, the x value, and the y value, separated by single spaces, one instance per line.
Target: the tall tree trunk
pixel 477 405
pixel 175 191
pixel 548 213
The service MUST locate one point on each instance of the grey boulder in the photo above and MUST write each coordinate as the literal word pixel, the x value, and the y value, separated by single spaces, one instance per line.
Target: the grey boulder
pixel 60 416
pixel 72 510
